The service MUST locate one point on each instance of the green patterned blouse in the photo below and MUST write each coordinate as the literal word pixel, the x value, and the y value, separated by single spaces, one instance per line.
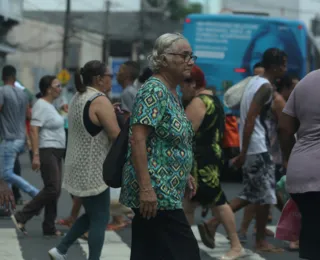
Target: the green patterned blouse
pixel 169 147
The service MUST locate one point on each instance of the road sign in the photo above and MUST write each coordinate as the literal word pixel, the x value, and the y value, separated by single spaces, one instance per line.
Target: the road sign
pixel 64 76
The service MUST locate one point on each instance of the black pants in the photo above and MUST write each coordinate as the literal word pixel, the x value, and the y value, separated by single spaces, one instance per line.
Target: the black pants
pixel 309 206
pixel 17 171
pixel 168 236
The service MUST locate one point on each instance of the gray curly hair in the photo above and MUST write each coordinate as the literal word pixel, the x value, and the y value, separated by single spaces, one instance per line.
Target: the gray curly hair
pixel 162 44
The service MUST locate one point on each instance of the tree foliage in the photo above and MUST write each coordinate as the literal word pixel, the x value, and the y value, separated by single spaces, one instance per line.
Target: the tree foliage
pixel 176 8
pixel 179 11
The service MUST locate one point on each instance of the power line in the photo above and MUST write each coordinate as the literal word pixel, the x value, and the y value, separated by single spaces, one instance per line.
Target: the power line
pixel 106 39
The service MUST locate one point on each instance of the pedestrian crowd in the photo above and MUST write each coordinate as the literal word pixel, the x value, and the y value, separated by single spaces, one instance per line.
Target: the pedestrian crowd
pixel 174 154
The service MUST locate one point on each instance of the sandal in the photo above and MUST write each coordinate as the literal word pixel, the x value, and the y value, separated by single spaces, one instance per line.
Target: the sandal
pixel 65 222
pixel 206 236
pixel 115 227
pixel 269 249
pixel 19 226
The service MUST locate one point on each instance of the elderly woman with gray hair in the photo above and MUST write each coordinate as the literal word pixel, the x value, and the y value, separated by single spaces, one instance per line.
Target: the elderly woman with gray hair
pixel 159 161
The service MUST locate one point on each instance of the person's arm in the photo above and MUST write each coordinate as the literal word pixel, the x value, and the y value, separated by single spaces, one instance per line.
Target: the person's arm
pixel 127 102
pixel 278 105
pixel 138 142
pixel 195 112
pixel 288 126
pixel 1 99
pixel 28 112
pixel 37 121
pixel 104 111
pixel 261 97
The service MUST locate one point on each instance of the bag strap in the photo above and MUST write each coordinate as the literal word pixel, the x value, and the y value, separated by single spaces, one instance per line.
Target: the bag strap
pixel 95 96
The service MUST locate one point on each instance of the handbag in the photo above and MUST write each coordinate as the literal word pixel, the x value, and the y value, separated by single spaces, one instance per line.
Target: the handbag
pixel 233 96
pixel 289 224
pixel 116 158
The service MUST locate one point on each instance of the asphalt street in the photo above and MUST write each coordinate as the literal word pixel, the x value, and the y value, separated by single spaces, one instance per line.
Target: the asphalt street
pixel 14 246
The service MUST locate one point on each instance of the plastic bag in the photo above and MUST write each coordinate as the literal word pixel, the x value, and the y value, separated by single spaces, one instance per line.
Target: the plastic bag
pixel 232 97
pixel 289 225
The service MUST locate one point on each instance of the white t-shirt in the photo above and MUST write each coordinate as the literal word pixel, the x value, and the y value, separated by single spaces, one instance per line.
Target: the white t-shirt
pixel 51 123
pixel 258 142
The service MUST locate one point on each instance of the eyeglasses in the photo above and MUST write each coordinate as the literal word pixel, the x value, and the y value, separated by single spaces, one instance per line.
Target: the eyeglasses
pixel 187 57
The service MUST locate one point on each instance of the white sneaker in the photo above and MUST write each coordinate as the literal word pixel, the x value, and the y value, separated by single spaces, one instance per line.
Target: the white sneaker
pixel 55 254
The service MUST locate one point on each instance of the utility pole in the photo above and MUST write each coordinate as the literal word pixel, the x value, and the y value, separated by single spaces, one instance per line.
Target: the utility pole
pixel 106 38
pixel 142 31
pixel 66 34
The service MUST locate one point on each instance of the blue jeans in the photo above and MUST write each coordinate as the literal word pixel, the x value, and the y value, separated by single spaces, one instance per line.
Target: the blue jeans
pixel 9 149
pixel 94 220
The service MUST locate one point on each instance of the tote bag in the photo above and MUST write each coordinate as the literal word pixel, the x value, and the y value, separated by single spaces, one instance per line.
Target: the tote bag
pixel 289 224
pixel 116 158
pixel 232 97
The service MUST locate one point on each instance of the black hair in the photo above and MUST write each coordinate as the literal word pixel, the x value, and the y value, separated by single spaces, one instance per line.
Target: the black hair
pixel 133 69
pixel 8 72
pixel 257 65
pixel 145 75
pixel 90 70
pixel 44 84
pixel 273 56
pixel 285 82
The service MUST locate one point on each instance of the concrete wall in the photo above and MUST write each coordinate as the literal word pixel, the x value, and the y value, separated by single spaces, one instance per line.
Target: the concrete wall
pixel 283 8
pixel 39 50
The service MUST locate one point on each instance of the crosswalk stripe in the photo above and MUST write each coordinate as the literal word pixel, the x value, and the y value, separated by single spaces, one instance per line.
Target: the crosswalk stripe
pixel 9 245
pixel 114 248
pixel 222 247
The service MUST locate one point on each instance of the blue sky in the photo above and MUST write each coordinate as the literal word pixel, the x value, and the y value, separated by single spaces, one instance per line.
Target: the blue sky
pixel 95 5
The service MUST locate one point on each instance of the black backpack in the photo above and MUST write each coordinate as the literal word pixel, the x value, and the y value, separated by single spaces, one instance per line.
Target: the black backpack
pixel 116 158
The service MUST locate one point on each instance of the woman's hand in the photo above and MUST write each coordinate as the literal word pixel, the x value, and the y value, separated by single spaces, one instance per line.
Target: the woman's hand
pixel 191 188
pixel 148 203
pixel 36 163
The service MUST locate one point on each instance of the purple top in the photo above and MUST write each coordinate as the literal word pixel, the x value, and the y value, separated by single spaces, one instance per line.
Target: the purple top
pixel 304 104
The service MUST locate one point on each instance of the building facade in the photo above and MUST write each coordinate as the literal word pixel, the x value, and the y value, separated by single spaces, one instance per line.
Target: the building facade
pixel 304 10
pixel 11 13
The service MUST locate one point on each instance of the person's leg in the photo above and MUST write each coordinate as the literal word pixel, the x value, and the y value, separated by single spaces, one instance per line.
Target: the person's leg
pixel 175 238
pixel 308 204
pixel 143 238
pixel 15 189
pixel 82 224
pixel 75 211
pixel 11 150
pixel 49 172
pixel 189 208
pixel 97 208
pixel 263 195
pixel 53 167
pixel 236 204
pixel 248 215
